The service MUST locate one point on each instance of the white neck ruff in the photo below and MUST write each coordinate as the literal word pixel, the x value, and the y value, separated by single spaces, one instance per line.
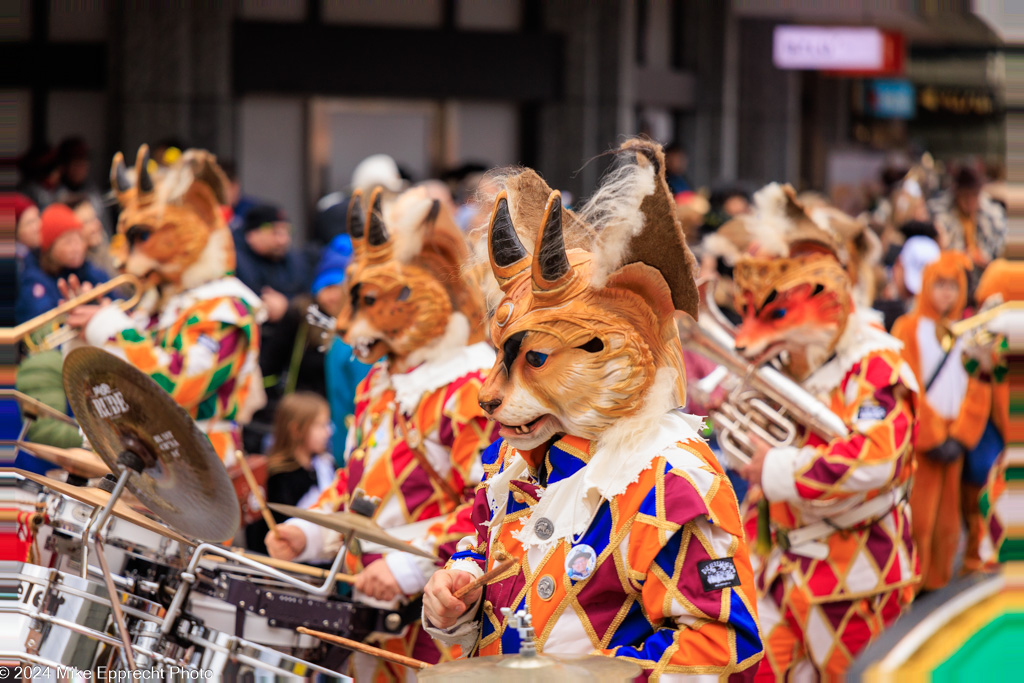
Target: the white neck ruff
pixel 863 335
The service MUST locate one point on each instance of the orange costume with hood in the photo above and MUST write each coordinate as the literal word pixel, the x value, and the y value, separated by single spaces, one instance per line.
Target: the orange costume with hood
pixel 954 411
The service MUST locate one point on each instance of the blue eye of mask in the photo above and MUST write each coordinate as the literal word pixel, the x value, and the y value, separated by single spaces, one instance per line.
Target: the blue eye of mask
pixel 536 359
pixel 778 313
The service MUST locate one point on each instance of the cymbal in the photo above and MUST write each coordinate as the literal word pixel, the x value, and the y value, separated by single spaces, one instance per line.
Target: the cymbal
pixel 542 667
pixel 34 409
pixel 98 498
pixel 75 460
pixel 122 409
pixel 343 522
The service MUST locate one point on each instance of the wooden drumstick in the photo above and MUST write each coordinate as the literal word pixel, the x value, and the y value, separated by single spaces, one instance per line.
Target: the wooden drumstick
pixel 498 570
pixel 254 488
pixel 366 649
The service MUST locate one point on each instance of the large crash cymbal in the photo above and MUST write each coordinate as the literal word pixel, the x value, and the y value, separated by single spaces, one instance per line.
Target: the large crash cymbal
pixel 541 668
pixel 98 498
pixel 121 409
pixel 364 528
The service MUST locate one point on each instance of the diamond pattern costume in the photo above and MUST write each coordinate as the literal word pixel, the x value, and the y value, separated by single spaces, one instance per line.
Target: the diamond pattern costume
pixel 624 530
pixel 648 597
pixel 418 430
pixel 824 602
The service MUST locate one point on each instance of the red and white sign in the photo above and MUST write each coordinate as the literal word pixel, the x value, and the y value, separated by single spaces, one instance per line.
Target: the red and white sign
pixel 822 48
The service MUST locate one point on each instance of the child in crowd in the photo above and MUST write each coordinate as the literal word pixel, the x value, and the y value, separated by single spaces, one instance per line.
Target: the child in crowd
pixel 62 252
pixel 949 424
pixel 299 464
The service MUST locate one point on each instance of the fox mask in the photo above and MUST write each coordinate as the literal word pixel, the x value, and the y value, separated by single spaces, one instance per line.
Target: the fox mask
pixel 572 358
pixel 171 227
pixel 408 293
pixel 799 305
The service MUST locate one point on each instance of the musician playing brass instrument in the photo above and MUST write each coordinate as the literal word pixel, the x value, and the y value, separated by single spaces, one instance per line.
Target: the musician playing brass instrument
pixel 841 565
pixel 196 329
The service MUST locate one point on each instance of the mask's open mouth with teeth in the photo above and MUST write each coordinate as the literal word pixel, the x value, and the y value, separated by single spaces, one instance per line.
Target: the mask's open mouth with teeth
pixel 368 348
pixel 532 427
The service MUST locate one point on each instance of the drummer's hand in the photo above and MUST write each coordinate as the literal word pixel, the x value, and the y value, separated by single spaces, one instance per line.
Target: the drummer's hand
pixel 286 543
pixel 377 581
pixel 441 608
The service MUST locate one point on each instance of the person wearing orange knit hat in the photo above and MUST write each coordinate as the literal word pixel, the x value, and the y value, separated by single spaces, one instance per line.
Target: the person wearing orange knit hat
pixel 62 251
pixel 949 426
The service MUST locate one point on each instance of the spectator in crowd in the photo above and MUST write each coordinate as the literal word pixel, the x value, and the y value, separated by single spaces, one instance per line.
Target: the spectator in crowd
pixel 376 170
pixel 96 240
pixel 27 224
pixel 269 265
pixel 62 252
pixel 299 465
pixel 341 369
pixel 239 202
pixel 905 281
pixel 266 261
pixel 73 165
pixel 39 174
pixel 40 376
pixel 970 220
pixel 676 164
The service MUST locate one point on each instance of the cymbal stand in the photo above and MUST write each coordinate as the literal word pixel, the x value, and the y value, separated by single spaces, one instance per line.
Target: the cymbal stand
pixel 130 463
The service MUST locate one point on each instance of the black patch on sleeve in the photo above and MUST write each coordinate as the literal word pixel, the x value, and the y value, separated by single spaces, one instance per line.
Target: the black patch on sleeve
pixel 718 574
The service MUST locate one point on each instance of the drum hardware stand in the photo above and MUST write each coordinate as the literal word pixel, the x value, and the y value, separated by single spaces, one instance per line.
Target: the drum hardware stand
pixel 361 504
pixel 131 463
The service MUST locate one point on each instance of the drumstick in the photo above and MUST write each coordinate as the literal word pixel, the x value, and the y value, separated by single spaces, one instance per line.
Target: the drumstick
pixel 367 649
pixel 255 489
pixel 498 570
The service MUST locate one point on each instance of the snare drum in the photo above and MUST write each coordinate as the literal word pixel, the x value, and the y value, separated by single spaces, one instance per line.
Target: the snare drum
pixel 123 542
pixel 56 619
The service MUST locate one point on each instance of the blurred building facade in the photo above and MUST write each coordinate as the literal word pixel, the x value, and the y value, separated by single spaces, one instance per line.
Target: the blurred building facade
pixel 297 91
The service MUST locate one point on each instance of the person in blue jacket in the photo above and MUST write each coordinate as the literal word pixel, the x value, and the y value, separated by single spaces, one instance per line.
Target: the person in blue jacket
pixel 62 253
pixel 343 372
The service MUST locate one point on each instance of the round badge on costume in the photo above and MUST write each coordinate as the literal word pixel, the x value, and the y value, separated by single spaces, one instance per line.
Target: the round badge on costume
pixel 580 562
pixel 38 291
pixel 546 587
pixel 544 528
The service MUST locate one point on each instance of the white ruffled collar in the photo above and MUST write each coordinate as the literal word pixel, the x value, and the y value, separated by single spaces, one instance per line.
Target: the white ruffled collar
pixel 433 374
pixel 571 503
pixel 863 335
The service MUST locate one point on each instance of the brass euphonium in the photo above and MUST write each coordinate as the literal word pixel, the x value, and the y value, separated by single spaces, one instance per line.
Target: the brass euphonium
pixel 62 333
pixel 761 400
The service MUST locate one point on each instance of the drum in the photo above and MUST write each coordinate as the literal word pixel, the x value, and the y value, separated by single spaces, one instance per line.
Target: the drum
pixel 235 599
pixel 220 656
pixel 55 619
pixel 125 543
pixel 20 518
